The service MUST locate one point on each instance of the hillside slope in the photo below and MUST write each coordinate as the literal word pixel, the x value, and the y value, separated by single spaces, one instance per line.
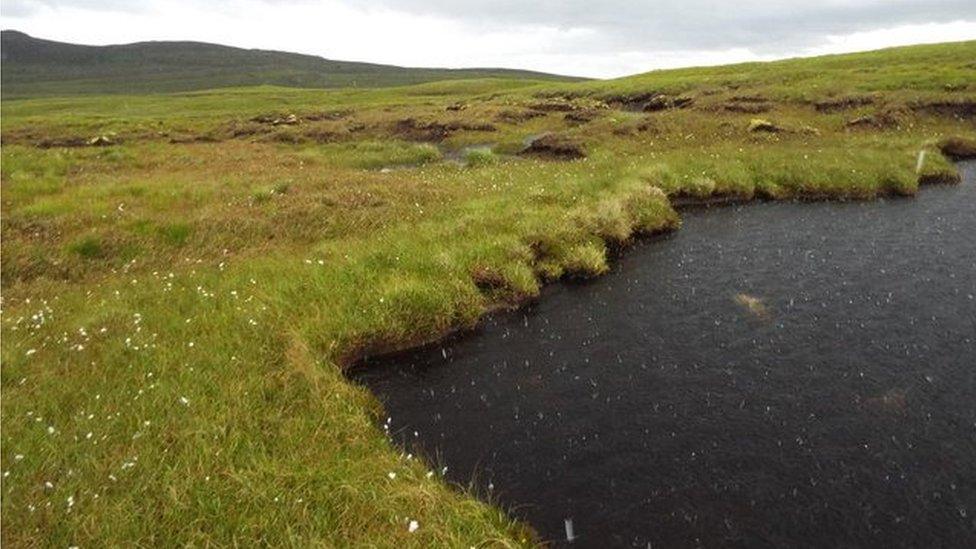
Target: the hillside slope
pixel 946 68
pixel 33 67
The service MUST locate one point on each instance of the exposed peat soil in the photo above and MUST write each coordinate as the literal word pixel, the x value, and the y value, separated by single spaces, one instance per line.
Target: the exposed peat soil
pixel 774 374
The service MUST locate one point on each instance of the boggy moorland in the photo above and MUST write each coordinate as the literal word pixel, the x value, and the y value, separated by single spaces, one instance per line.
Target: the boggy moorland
pixel 186 277
pixel 776 374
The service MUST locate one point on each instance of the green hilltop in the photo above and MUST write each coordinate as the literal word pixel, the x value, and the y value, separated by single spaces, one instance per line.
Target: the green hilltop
pixel 34 67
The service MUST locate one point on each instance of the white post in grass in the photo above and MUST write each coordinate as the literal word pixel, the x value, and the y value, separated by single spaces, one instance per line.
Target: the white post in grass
pixel 921 161
pixel 569 530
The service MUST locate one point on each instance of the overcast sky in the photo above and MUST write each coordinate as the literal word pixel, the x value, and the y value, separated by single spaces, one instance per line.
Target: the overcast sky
pixel 599 38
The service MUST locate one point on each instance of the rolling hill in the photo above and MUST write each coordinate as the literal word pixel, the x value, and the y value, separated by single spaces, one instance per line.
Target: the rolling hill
pixel 33 67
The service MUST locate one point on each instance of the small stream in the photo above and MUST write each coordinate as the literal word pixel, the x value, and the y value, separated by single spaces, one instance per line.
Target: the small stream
pixel 770 375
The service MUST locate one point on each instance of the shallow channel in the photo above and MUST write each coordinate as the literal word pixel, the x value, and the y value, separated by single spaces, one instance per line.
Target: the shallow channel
pixel 773 374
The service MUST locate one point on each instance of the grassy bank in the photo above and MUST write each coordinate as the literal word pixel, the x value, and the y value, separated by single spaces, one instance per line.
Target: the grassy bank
pixel 184 277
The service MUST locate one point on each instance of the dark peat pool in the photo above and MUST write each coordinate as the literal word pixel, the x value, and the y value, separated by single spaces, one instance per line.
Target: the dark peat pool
pixel 770 375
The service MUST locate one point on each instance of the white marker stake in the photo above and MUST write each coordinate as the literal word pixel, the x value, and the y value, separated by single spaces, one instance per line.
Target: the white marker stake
pixel 569 530
pixel 921 162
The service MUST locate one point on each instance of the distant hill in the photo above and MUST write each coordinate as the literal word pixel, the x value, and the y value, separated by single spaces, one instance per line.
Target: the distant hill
pixel 33 67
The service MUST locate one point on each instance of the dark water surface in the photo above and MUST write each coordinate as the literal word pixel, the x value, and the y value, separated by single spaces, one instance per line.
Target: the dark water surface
pixel 651 406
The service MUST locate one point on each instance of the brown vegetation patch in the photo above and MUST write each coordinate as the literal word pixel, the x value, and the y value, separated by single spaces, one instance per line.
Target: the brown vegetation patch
pixel 836 104
pixel 353 198
pixel 23 135
pixel 941 177
pixel 542 248
pixel 648 101
pixel 630 101
pixel 665 102
pixel 750 99
pixel 581 117
pixel 288 136
pixel 517 117
pixel 747 107
pixel 417 130
pixel 265 118
pixel 323 135
pixel 246 129
pixel 493 285
pixel 59 142
pixel 190 139
pixel 861 122
pixel 326 115
pixel 488 279
pixel 560 147
pixel 957 108
pixel 884 119
pixel 554 105
pixel 645 124
pixel 958 148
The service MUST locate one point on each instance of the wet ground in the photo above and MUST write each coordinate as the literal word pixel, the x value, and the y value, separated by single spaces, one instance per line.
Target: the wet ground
pixel 771 375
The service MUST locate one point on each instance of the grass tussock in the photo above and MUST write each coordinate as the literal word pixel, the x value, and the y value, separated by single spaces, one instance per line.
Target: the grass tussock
pixel 177 315
pixel 585 260
pixel 89 247
pixel 480 157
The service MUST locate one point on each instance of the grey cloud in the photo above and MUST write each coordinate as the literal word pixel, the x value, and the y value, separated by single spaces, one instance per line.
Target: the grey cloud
pixel 22 8
pixel 17 8
pixel 762 25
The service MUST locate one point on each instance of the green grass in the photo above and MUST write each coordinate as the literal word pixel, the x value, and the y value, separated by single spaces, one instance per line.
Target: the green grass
pixel 945 69
pixel 192 304
pixel 88 247
pixel 480 157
